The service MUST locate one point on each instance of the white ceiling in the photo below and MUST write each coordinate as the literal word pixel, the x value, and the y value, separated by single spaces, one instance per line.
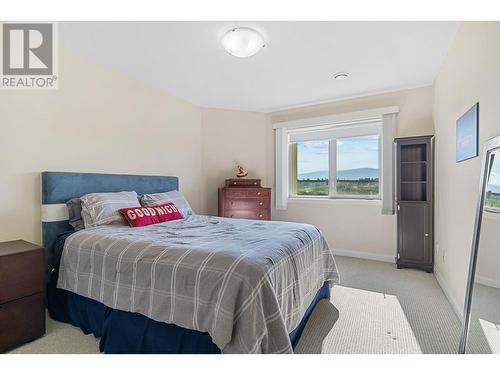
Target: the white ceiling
pixel 186 59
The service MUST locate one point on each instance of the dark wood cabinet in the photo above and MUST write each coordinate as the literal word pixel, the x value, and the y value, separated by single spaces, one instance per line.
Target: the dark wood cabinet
pixel 415 203
pixel 244 201
pixel 22 296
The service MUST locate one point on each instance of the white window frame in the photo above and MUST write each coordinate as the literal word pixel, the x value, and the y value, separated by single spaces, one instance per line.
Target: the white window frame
pixel 381 122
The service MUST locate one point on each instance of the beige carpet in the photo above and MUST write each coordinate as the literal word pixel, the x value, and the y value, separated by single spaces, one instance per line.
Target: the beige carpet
pixel 380 309
pixel 484 333
pixel 376 309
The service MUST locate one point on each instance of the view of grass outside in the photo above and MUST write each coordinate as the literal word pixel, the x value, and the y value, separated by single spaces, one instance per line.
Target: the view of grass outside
pixel 312 187
pixel 364 186
pixel 492 202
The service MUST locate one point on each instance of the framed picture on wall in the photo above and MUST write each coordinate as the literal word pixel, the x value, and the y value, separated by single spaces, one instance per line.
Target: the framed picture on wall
pixel 467 134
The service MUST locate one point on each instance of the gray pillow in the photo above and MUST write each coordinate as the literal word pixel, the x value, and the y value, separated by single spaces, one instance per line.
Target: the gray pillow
pixel 102 208
pixel 171 196
pixel 75 213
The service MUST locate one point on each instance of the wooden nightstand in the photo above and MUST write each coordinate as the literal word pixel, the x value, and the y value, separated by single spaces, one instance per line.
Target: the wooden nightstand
pixel 22 298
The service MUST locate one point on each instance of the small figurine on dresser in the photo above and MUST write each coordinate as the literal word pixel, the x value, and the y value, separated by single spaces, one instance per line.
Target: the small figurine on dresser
pixel 242 172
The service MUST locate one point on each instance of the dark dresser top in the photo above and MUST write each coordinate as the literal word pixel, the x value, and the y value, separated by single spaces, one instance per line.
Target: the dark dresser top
pixel 17 246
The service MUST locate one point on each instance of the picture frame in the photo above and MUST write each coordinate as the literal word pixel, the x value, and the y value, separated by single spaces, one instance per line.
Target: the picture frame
pixel 467 137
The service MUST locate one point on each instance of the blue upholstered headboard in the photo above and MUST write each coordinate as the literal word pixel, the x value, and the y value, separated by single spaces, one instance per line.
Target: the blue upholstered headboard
pixel 59 187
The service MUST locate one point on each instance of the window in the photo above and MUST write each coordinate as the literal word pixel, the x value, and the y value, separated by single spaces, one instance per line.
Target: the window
pixel 350 163
pixel 346 155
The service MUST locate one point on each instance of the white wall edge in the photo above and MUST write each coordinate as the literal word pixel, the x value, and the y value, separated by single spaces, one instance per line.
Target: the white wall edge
pixel 457 308
pixel 364 255
pixel 487 281
pixel 298 106
pixel 340 117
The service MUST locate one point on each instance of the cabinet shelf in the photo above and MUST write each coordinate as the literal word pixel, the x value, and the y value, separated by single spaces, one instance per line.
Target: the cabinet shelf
pixel 413 182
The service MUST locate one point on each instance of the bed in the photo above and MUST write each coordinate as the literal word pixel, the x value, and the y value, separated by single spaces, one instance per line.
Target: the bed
pixel 203 284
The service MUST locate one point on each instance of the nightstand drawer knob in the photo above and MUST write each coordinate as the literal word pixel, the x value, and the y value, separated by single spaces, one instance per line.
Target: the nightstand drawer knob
pixel 260 215
pixel 259 193
pixel 260 203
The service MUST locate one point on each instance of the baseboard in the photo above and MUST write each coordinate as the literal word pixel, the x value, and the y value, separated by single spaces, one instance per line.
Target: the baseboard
pixel 487 281
pixel 364 255
pixel 457 308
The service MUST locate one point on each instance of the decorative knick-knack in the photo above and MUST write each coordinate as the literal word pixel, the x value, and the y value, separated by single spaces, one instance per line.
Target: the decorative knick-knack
pixel 242 172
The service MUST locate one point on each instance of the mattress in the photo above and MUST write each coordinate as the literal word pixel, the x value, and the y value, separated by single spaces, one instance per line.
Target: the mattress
pixel 247 284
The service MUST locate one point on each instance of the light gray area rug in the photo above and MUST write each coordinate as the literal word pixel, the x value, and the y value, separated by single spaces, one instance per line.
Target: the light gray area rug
pixel 380 309
pixel 376 309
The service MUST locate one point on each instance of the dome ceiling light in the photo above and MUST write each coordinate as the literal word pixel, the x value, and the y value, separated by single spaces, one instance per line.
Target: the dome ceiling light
pixel 243 42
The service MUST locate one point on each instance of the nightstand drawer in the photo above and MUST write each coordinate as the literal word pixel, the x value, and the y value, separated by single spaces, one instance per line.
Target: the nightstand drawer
pixel 21 274
pixel 21 321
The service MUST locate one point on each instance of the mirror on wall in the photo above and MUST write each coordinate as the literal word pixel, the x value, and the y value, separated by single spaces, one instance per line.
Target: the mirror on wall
pixel 481 329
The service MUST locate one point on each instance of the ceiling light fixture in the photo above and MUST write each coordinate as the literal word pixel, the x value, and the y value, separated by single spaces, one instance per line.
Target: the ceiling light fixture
pixel 341 76
pixel 242 42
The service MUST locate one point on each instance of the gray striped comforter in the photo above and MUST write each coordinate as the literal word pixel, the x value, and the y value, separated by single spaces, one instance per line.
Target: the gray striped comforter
pixel 247 283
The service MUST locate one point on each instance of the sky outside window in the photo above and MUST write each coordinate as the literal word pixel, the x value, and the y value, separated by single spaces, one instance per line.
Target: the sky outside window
pixel 352 153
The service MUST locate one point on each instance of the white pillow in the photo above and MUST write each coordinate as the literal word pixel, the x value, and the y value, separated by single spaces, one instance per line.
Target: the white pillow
pixel 102 208
pixel 171 196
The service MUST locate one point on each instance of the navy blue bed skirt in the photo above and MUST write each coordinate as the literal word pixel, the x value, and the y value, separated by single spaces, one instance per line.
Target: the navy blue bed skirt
pixel 133 333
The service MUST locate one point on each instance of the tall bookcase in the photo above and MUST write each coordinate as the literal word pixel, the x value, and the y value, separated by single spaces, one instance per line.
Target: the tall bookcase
pixel 415 202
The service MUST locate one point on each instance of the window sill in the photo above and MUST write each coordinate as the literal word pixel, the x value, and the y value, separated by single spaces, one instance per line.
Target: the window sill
pixel 337 201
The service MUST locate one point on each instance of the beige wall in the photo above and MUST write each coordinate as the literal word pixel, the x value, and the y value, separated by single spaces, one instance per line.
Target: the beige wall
pixel 98 121
pixel 469 74
pixel 231 137
pixel 359 226
pixel 415 109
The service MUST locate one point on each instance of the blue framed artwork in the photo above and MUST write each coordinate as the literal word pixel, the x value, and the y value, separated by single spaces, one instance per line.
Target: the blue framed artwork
pixel 467 134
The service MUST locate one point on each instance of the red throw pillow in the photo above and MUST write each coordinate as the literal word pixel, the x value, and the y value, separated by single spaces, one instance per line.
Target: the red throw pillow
pixel 142 216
